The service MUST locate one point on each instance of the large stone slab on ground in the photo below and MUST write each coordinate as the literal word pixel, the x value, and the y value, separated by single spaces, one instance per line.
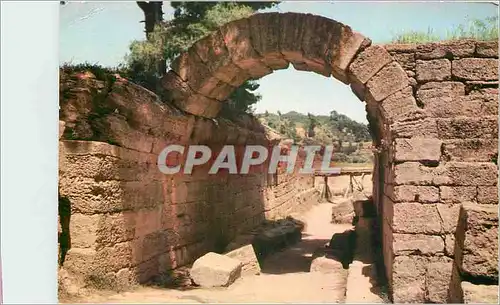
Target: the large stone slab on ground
pixel 480 294
pixel 327 260
pixel 342 210
pixel 245 253
pixel 277 235
pixel 215 270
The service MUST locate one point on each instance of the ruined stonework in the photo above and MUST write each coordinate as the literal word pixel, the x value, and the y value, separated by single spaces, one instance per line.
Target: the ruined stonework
pixel 433 113
pixel 124 222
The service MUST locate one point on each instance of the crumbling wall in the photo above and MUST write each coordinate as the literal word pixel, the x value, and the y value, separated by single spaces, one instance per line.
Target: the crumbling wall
pixel 129 223
pixel 441 156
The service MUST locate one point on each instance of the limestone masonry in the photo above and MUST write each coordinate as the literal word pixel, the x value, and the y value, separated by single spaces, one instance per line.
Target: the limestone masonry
pixel 433 112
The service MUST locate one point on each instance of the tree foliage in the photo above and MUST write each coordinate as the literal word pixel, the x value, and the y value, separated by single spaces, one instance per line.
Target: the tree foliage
pixel 192 21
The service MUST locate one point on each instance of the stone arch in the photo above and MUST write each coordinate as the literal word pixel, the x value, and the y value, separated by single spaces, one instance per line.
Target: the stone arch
pixel 202 78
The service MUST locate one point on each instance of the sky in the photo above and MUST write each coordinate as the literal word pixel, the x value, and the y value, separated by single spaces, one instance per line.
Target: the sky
pixel 100 32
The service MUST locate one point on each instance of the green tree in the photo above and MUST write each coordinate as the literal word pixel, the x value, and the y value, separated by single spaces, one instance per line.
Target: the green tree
pixel 191 22
pixel 312 123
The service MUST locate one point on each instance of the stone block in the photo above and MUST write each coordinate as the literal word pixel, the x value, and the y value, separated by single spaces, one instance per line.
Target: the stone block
pixel 368 63
pixel 387 81
pixel 417 244
pixel 246 255
pixel 438 278
pixel 236 35
pixel 468 174
pixel 487 48
pixel 433 70
pixel 408 279
pixel 457 48
pixel 414 173
pixel 326 261
pixel 487 194
pixel 265 35
pixel 406 60
pixel 399 105
pixel 425 127
pixel 470 150
pixel 457 194
pixel 215 270
pixel 440 89
pixel 418 149
pixel 479 294
pixel 409 193
pixel 448 213
pixel 416 218
pixel 475 69
pixel 467 128
pixel 476 248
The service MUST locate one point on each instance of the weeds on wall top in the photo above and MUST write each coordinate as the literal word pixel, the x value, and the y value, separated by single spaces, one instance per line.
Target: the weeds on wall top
pixel 485 30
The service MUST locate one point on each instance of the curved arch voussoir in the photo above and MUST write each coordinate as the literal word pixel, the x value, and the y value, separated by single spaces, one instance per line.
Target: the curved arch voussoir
pixel 253 47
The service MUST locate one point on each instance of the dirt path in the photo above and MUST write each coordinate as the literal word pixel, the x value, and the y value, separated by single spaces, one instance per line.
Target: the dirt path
pixel 285 276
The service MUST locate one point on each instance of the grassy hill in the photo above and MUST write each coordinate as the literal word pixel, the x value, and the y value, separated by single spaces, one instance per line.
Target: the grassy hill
pixel 351 139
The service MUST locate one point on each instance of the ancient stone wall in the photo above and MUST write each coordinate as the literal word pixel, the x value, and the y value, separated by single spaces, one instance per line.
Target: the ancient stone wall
pixel 122 220
pixel 433 113
pixel 442 157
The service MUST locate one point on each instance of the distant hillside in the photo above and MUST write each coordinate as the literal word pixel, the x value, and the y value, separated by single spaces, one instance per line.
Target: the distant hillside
pixel 352 139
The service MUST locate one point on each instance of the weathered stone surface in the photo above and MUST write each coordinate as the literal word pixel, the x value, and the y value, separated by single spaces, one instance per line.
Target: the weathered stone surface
pixel 213 53
pixel 487 194
pixel 387 81
pixel 407 61
pixel 459 48
pixel 440 89
pixel 399 105
pixel 236 35
pixel 449 245
pixel 343 211
pixel 326 261
pixel 414 193
pixel 433 70
pixel 408 278
pixel 468 128
pixel 246 255
pixel 345 44
pixel 200 105
pixel 462 173
pixel 479 294
pixel 215 270
pixel 396 48
pixel 291 33
pixel 416 218
pixel 487 48
pixel 470 150
pixel 476 248
pixel 265 35
pixel 368 63
pixel 317 34
pixel 448 107
pixel 417 244
pixel 438 280
pixel 475 69
pixel 418 149
pixel 457 194
pixel 448 213
pixel 424 127
pixel 414 173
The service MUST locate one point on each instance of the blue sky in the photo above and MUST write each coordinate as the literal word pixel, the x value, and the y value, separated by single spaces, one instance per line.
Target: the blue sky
pixel 100 32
